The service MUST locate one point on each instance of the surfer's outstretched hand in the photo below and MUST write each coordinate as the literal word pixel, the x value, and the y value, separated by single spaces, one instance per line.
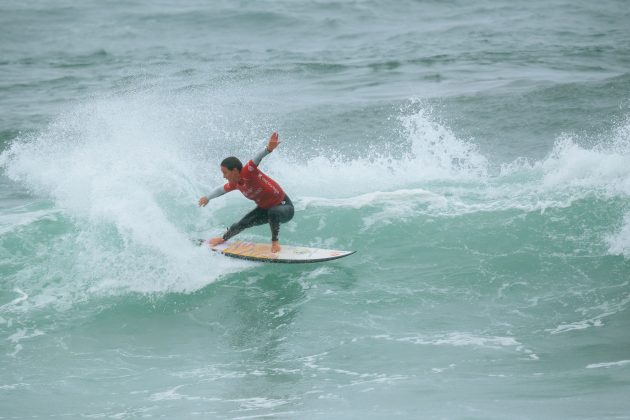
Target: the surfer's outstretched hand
pixel 275 246
pixel 203 201
pixel 273 142
pixel 216 241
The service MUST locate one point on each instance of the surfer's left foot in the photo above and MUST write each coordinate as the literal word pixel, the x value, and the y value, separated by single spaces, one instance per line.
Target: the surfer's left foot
pixel 216 241
pixel 275 246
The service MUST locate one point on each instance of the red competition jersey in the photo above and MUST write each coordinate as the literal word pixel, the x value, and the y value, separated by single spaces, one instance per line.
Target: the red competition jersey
pixel 257 186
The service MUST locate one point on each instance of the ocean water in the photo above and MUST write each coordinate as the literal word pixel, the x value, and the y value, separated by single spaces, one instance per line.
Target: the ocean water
pixel 476 155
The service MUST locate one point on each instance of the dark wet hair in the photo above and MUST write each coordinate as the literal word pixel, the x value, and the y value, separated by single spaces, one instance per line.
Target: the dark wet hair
pixel 231 162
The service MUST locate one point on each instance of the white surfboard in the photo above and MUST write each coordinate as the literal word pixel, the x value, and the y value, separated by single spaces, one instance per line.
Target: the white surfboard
pixel 288 254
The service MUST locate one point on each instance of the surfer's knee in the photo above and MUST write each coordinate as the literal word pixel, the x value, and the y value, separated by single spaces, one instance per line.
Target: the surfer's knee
pixel 281 214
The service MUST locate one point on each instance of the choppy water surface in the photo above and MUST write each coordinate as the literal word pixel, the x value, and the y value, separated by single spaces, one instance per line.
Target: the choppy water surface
pixel 476 155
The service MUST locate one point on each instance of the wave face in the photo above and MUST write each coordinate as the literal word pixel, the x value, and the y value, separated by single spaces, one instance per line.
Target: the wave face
pixel 476 156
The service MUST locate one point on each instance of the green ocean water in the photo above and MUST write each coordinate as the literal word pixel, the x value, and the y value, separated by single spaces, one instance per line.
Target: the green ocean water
pixel 475 155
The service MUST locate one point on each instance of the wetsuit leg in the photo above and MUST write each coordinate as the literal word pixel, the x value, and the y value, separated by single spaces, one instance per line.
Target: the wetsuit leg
pixel 256 217
pixel 280 214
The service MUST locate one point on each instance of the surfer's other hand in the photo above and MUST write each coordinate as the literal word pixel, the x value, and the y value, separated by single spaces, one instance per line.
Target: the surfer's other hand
pixel 203 201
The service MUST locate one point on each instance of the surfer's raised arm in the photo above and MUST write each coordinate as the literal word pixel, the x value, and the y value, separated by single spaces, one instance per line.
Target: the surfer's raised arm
pixel 273 143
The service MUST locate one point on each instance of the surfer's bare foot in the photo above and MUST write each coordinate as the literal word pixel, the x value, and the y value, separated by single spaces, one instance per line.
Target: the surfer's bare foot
pixel 216 241
pixel 275 246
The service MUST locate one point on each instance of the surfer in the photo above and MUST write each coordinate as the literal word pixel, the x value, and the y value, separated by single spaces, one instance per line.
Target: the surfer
pixel 273 206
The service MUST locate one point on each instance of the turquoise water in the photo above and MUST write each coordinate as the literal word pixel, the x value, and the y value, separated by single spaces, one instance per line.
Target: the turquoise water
pixel 476 155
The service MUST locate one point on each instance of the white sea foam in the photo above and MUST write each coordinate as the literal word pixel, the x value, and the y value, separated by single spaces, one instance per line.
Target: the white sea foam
pixel 604 310
pixel 605 167
pixel 12 387
pixel 21 335
pixel 375 198
pixel 23 297
pixel 171 395
pixel 462 339
pixel 608 364
pixel 440 370
pixel 619 241
pixel 575 326
pixel 17 219
pixel 602 170
pixel 256 403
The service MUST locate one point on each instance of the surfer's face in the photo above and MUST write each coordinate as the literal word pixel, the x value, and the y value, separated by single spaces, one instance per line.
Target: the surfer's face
pixel 232 176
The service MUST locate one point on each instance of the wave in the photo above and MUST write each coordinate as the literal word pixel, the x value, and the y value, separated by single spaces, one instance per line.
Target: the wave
pixel 122 175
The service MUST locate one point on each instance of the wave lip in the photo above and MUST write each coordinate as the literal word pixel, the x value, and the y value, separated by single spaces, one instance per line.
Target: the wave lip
pixel 421 150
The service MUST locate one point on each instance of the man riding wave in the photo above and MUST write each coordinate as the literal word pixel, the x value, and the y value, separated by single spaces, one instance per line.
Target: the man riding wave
pixel 273 205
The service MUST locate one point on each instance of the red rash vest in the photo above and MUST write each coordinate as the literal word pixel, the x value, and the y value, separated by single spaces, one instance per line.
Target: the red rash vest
pixel 257 186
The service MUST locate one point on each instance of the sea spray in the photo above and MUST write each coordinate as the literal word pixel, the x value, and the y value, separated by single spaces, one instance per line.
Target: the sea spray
pixel 119 176
pixel 426 151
